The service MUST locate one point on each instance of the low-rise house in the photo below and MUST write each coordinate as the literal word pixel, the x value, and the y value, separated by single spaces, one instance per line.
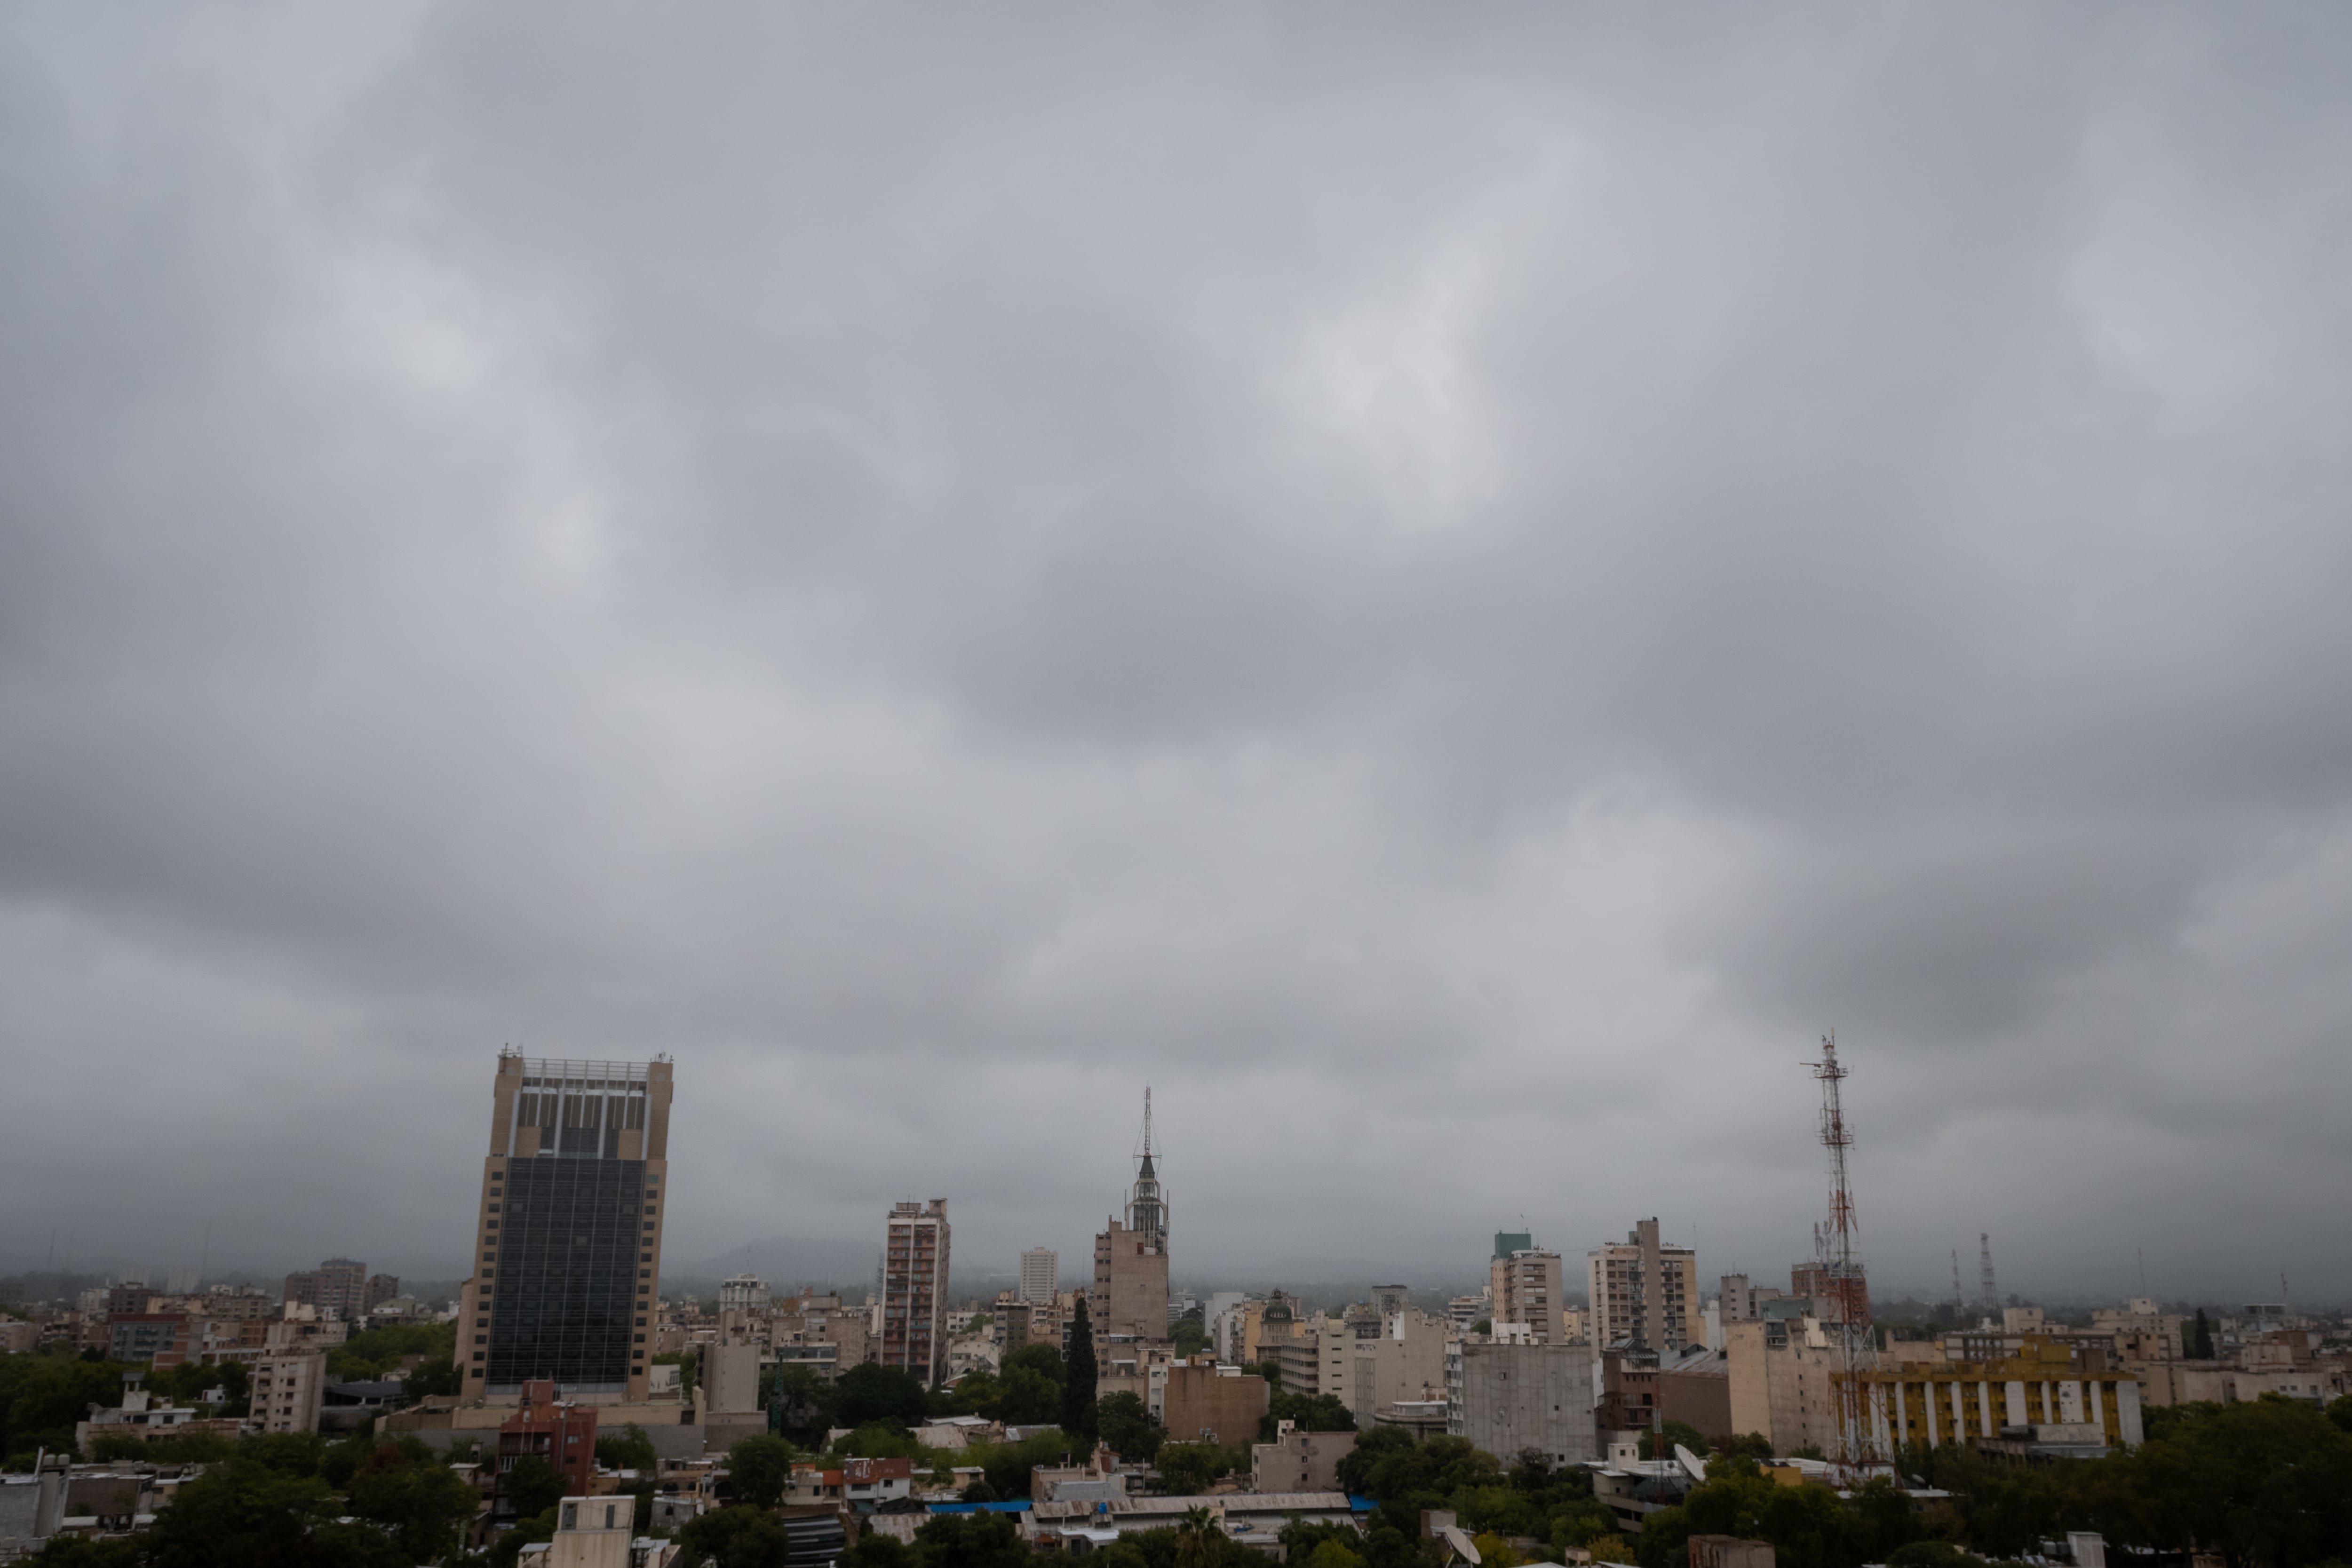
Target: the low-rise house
pixel 1252 1519
pixel 1300 1461
pixel 141 1414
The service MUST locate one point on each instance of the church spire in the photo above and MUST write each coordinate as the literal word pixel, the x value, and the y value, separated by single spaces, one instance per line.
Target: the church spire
pixel 1147 1210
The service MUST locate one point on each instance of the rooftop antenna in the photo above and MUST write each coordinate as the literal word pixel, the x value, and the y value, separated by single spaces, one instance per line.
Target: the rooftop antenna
pixel 1984 1270
pixel 1958 1299
pixel 1147 1210
pixel 1856 1346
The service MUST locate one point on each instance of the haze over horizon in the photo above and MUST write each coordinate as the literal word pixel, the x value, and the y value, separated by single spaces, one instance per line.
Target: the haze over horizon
pixel 1448 589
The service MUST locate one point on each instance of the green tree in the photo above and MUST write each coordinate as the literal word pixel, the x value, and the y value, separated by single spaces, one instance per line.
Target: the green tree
pixel 738 1537
pixel 972 1540
pixel 1660 1444
pixel 1311 1412
pixel 871 1392
pixel 42 1395
pixel 237 1513
pixel 422 1502
pixel 508 1546
pixel 79 1551
pixel 628 1449
pixel 1193 1533
pixel 371 1353
pixel 1188 1469
pixel 877 1440
pixel 2200 1338
pixel 434 1377
pixel 760 1468
pixel 1078 1386
pixel 874 1550
pixel 293 1453
pixel 1189 1334
pixel 804 1404
pixel 531 1486
pixel 1129 1429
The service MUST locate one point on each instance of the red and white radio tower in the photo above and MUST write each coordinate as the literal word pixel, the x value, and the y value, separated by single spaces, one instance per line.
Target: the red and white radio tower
pixel 1847 1292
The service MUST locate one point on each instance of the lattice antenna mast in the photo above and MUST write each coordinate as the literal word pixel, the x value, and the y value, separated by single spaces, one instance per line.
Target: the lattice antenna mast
pixel 1857 1345
pixel 1959 1299
pixel 1984 1270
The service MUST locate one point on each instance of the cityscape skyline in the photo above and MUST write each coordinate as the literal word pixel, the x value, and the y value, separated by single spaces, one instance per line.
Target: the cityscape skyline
pixel 1448 592
pixel 844 1261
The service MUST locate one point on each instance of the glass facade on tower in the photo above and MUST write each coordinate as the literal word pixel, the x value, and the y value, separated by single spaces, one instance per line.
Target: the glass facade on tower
pixel 569 1228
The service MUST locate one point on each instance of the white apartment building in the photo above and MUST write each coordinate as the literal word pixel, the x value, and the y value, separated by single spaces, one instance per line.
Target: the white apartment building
pixel 288 1390
pixel 1040 1274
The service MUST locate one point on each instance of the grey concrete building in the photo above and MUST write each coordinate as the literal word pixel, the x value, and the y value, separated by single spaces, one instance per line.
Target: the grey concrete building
pixel 1509 1397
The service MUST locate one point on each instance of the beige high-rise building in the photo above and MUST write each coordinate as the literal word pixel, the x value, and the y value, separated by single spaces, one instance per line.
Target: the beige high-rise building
pixel 1524 1287
pixel 1404 1363
pixel 288 1390
pixel 914 1307
pixel 1646 1289
pixel 1040 1269
pixel 568 1231
pixel 1130 1293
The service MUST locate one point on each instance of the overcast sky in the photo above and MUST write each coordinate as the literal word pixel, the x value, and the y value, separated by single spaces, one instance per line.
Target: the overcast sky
pixel 1447 586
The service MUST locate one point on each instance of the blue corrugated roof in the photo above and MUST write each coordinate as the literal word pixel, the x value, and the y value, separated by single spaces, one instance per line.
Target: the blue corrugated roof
pixel 1020 1506
pixel 1359 1503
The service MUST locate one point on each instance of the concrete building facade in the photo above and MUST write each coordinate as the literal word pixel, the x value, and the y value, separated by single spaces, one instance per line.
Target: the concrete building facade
pixel 2050 1395
pixel 568 1230
pixel 1040 1276
pixel 1299 1461
pixel 289 1388
pixel 1525 1288
pixel 914 1307
pixel 1505 1398
pixel 1644 1292
pixel 1404 1365
pixel 340 1287
pixel 1131 1291
pixel 1203 1402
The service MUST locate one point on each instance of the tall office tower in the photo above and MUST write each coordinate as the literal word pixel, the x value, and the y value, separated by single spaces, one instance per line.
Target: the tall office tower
pixel 569 1231
pixel 915 1289
pixel 1644 1292
pixel 1041 1272
pixel 1524 1287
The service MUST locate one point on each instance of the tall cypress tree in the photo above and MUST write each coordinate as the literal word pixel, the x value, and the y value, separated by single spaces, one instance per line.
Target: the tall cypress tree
pixel 1078 1380
pixel 2202 1349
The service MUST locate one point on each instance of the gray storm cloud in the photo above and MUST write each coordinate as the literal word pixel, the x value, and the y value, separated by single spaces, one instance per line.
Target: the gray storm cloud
pixel 1447 589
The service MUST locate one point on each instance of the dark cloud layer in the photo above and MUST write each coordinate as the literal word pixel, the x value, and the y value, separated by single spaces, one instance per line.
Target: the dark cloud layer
pixel 1448 589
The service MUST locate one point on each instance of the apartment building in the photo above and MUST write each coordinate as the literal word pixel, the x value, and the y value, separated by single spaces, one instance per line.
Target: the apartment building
pixel 1644 1292
pixel 2052 1398
pixel 1524 1286
pixel 1403 1364
pixel 1200 1401
pixel 914 1307
pixel 1505 1398
pixel 289 1389
pixel 1040 1276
